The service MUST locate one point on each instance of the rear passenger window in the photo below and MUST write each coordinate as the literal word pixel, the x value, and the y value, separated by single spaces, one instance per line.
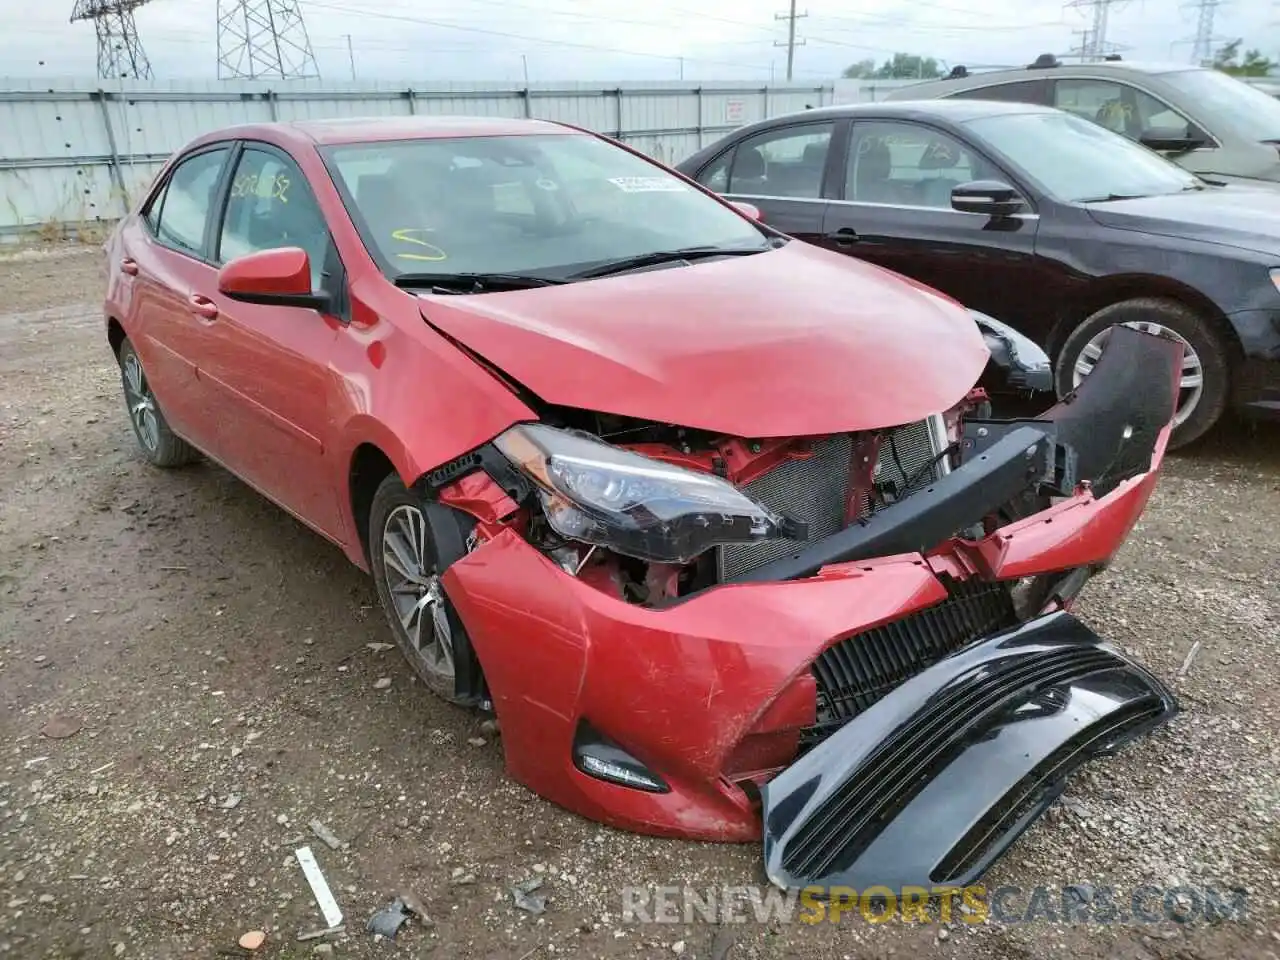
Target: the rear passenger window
pixel 782 163
pixel 186 201
pixel 1021 91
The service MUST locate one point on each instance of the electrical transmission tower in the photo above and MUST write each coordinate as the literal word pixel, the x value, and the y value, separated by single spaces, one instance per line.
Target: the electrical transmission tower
pixel 120 52
pixel 263 38
pixel 1202 43
pixel 1093 42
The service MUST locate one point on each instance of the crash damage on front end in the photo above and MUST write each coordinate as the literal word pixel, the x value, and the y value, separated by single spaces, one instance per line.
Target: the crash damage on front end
pixel 859 643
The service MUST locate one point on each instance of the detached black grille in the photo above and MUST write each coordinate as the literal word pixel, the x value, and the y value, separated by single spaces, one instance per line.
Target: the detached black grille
pixel 859 670
pixel 840 830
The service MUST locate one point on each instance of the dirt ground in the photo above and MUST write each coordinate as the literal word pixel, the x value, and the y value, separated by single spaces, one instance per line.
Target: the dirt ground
pixel 186 682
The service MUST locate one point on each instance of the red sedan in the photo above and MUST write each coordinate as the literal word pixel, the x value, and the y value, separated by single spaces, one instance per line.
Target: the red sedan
pixel 718 523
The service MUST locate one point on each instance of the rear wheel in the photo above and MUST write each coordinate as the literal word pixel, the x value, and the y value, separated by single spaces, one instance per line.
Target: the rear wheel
pixel 411 543
pixel 160 445
pixel 1206 370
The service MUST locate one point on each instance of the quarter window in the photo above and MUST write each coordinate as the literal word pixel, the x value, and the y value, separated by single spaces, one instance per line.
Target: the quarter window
pixel 1021 91
pixel 1117 106
pixel 270 205
pixel 186 200
pixel 781 163
pixel 908 165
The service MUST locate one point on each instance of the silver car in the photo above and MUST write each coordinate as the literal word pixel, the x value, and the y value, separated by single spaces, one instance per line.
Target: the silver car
pixel 1204 120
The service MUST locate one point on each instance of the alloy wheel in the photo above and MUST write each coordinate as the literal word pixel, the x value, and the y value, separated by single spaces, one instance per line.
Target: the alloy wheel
pixel 1190 387
pixel 415 590
pixel 141 403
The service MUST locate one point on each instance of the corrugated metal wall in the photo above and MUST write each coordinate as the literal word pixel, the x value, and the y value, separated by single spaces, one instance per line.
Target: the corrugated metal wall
pixel 73 153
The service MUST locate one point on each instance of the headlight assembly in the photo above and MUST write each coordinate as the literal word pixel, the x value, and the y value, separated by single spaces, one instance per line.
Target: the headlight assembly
pixel 637 506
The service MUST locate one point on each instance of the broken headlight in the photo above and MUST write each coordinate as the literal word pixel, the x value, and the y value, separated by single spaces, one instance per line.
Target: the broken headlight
pixel 635 505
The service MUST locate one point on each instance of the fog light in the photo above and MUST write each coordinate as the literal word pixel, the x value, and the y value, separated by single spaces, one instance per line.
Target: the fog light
pixel 598 756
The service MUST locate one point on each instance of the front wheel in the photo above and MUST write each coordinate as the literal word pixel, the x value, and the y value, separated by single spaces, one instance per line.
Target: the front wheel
pixel 411 543
pixel 159 444
pixel 1206 371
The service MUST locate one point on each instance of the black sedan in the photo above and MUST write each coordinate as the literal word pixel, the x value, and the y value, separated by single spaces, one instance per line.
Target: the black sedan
pixel 1045 221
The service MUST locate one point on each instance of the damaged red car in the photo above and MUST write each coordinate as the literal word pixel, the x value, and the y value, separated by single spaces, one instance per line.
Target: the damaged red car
pixel 719 524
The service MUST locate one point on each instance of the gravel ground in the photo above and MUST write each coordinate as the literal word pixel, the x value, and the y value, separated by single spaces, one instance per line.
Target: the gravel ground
pixel 186 682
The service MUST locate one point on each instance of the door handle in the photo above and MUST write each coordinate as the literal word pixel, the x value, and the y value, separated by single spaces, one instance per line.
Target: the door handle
pixel 844 237
pixel 130 266
pixel 203 306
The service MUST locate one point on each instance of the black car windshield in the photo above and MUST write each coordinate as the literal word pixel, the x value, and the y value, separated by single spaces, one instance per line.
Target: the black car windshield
pixel 1077 160
pixel 1222 99
pixel 543 205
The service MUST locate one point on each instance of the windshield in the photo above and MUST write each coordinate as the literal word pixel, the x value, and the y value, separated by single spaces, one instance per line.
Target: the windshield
pixel 1077 160
pixel 544 205
pixel 1221 98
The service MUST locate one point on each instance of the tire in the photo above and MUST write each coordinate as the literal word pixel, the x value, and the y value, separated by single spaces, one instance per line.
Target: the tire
pixel 397 516
pixel 1197 411
pixel 158 443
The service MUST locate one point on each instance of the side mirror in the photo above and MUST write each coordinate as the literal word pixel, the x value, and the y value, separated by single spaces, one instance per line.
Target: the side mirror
pixel 279 277
pixel 989 197
pixel 750 209
pixel 1172 139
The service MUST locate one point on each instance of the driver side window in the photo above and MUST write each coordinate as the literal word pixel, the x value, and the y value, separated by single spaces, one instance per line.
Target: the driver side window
pixel 1119 107
pixel 270 205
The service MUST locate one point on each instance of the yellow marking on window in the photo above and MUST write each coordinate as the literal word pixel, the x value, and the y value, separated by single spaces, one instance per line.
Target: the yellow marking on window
pixel 407 235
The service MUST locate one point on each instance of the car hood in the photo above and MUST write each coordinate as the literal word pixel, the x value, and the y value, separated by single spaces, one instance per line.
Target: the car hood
pixel 1237 216
pixel 792 342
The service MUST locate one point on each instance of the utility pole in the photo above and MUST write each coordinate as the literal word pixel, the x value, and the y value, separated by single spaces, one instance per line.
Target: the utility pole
pixel 524 65
pixel 791 43
pixel 351 56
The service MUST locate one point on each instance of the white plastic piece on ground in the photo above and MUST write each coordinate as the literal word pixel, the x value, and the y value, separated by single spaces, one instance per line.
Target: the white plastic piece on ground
pixel 319 886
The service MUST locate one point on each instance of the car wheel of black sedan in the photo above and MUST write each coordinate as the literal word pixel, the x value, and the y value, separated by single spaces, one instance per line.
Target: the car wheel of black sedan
pixel 411 542
pixel 160 445
pixel 1206 370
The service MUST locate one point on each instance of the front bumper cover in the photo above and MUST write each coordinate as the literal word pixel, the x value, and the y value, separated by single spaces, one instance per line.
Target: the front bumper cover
pixel 933 782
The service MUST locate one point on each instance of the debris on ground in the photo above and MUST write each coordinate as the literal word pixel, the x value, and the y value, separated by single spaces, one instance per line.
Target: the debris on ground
pixel 382 683
pixel 1190 659
pixel 253 939
pixel 60 727
pixel 379 647
pixel 525 899
pixel 306 935
pixel 325 834
pixel 415 906
pixel 319 886
pixel 388 921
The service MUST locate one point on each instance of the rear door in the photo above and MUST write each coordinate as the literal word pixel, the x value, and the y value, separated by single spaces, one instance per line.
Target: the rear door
pixel 892 207
pixel 782 171
pixel 267 367
pixel 165 256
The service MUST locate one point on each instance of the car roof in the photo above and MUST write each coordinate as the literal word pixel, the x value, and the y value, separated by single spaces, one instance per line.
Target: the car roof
pixel 379 129
pixel 1104 68
pixel 955 111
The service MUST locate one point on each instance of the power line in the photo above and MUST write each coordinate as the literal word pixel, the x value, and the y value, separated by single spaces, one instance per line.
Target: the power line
pixel 1093 42
pixel 364 12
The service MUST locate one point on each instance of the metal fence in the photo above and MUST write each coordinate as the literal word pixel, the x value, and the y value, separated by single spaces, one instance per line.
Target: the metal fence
pixel 74 153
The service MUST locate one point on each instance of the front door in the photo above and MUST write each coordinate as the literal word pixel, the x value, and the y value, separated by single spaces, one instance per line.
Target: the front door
pixel 268 366
pixel 893 209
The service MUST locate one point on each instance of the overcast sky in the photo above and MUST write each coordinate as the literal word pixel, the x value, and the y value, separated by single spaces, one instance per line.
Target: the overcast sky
pixel 611 40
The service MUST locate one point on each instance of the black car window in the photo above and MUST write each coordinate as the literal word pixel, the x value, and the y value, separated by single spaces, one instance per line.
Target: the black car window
pixel 715 176
pixel 188 198
pixel 906 164
pixel 270 206
pixel 1018 91
pixel 782 163
pixel 1119 107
